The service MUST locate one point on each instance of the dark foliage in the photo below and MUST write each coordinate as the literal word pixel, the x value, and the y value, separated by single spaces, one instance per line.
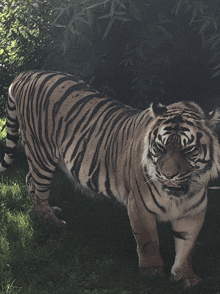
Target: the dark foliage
pixel 136 51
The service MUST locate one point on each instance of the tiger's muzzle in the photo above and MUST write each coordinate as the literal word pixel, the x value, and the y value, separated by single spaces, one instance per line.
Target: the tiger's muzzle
pixel 177 191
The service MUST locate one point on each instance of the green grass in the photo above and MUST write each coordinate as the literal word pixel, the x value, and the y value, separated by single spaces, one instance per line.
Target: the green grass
pixel 95 253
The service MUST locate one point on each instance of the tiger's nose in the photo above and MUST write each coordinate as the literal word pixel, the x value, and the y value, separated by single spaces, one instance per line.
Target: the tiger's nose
pixel 170 175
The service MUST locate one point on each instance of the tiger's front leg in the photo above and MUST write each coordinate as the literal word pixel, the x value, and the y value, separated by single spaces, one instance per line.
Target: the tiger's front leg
pixel 144 228
pixel 186 232
pixel 39 195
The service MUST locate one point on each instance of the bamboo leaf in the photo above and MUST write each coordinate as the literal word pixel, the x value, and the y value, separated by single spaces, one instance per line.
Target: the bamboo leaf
pixel 213 37
pixel 134 11
pixel 215 43
pixel 112 10
pixel 73 30
pixel 176 9
pixel 95 5
pixel 216 67
pixel 58 25
pixel 165 31
pixel 36 6
pixel 120 4
pixel 217 73
pixel 62 10
pixel 215 24
pixel 104 16
pixel 90 17
pixel 122 18
pixel 119 13
pixel 82 19
pixel 193 15
pixel 108 28
pixel 204 26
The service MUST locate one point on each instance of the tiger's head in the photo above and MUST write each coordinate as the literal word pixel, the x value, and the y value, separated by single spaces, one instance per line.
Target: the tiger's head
pixel 181 152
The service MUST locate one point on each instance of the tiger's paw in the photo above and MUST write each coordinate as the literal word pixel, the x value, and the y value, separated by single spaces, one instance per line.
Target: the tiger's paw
pixel 152 270
pixel 48 213
pixel 187 281
pixel 191 281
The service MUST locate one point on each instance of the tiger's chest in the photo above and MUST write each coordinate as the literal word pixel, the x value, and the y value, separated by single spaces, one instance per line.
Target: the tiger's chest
pixel 169 208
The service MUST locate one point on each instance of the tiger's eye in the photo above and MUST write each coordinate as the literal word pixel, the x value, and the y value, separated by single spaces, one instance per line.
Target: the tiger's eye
pixel 191 149
pixel 158 148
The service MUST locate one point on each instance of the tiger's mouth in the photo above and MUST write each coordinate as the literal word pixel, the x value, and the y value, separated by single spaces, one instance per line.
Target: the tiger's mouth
pixel 176 191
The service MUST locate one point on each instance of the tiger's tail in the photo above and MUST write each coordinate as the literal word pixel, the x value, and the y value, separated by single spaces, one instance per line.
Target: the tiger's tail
pixel 12 133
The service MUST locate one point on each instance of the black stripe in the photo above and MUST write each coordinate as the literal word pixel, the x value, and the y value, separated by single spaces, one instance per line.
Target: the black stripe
pixel 13 138
pixel 13 120
pixel 198 203
pixel 93 182
pixel 81 139
pixel 143 200
pixel 5 164
pixel 95 156
pixel 155 200
pixel 11 108
pixel 10 99
pixel 107 180
pixel 83 101
pixel 79 158
pixel 180 235
pixel 189 123
pixel 115 120
pixel 75 127
pixel 94 113
pixel 10 150
pixel 39 174
pixel 58 130
pixel 70 90
pixel 13 127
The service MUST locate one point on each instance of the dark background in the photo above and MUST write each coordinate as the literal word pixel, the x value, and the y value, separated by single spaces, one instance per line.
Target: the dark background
pixel 136 51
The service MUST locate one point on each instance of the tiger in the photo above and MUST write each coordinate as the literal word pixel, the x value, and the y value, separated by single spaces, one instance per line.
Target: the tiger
pixel 157 162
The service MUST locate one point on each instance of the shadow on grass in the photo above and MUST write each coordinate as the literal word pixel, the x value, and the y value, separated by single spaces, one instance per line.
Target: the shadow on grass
pixel 96 252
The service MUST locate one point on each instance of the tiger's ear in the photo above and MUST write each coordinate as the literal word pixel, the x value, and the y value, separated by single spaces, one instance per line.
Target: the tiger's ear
pixel 158 109
pixel 213 119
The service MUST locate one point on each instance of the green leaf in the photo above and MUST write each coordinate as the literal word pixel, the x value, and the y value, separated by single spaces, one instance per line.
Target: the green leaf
pixel 58 25
pixel 62 10
pixel 213 37
pixel 215 23
pixel 90 17
pixel 73 30
pixel 176 9
pixel 134 11
pixel 216 67
pixel 122 18
pixel 108 28
pixel 165 31
pixel 104 16
pixel 217 73
pixel 95 5
pixel 82 19
pixel 112 10
pixel 204 26
pixel 120 4
pixel 36 6
pixel 119 13
pixel 215 43
pixel 193 15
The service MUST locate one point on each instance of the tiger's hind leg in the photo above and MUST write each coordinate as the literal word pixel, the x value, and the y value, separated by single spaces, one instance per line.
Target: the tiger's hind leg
pixel 39 187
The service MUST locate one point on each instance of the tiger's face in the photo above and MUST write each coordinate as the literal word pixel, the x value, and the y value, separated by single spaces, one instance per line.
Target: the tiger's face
pixel 179 150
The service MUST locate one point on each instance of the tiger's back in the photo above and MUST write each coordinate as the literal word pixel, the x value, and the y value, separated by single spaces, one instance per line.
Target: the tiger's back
pixel 157 162
pixel 64 121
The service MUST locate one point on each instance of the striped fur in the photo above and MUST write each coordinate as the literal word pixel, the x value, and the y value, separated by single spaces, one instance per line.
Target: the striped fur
pixel 157 162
